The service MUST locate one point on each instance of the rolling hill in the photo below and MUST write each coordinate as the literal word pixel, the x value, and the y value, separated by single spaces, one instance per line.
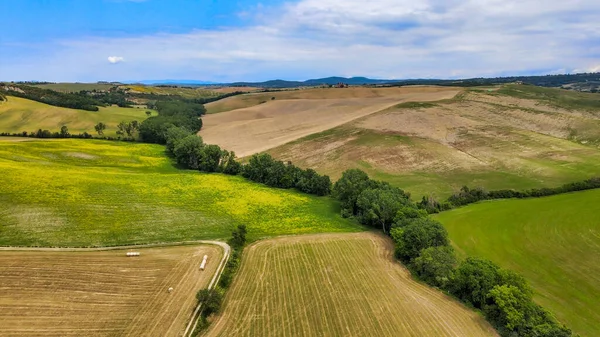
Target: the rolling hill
pixel 265 120
pixel 100 193
pixel 513 136
pixel 553 241
pixel 19 114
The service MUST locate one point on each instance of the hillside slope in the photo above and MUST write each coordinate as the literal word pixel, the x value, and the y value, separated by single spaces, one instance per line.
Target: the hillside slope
pixel 19 114
pixel 508 137
pixel 96 193
pixel 249 127
pixel 554 242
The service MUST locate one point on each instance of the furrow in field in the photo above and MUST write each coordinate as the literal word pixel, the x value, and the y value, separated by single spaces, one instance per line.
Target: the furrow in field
pixel 332 285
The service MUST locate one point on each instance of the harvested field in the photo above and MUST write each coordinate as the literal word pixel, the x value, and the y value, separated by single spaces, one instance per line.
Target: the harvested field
pixel 336 285
pixel 227 90
pixel 102 293
pixel 253 127
pixel 478 139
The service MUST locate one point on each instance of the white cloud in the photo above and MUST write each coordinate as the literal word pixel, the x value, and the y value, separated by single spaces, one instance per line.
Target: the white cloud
pixel 115 59
pixel 378 38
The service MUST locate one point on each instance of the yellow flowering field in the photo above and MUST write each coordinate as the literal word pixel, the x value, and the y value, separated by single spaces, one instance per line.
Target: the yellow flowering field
pixel 95 193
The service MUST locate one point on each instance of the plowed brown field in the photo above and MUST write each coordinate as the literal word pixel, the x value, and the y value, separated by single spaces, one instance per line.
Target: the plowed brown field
pixel 336 285
pixel 248 127
pixel 102 293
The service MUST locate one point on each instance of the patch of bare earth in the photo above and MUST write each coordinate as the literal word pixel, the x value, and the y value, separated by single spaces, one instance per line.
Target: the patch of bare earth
pixel 81 155
pixel 258 128
pixel 477 132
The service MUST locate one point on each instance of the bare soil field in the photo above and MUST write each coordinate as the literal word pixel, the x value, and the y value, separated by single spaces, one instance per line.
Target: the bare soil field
pixel 227 90
pixel 336 285
pixel 295 114
pixel 102 293
pixel 480 138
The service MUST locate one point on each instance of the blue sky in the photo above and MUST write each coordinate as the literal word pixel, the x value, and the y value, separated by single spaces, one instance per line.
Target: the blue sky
pixel 234 40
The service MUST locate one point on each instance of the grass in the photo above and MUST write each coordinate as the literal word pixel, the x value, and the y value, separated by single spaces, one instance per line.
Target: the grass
pixel 74 87
pixel 336 285
pixel 19 114
pixel 97 193
pixel 102 293
pixel 554 242
pixel 570 100
pixel 425 167
pixel 180 91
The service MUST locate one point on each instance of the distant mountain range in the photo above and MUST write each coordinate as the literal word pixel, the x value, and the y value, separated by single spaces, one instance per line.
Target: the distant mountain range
pixel 546 80
pixel 317 81
pixel 171 82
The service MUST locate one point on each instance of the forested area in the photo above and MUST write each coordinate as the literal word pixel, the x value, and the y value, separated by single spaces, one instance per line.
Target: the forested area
pixel 51 97
pixel 422 244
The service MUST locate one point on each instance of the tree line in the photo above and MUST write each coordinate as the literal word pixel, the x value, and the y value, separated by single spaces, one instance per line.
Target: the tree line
pixel 63 133
pixel 468 195
pixel 51 97
pixel 212 299
pixel 422 244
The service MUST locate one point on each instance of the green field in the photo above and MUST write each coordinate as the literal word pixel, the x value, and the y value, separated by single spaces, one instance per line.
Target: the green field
pixel 554 242
pixel 96 193
pixel 19 114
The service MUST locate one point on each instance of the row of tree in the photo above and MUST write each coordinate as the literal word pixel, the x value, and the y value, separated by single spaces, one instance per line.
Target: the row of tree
pixel 63 133
pixel 423 245
pixel 468 195
pixel 190 152
pixel 51 97
pixel 212 299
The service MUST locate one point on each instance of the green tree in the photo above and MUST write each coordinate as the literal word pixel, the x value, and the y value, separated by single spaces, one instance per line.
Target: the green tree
pixel 64 132
pixel 174 135
pixel 435 265
pixel 231 166
pixel 121 129
pixel 238 237
pixel 509 306
pixel 148 113
pixel 418 235
pixel 347 189
pixel 210 158
pixel 100 127
pixel 379 206
pixel 473 280
pixel 211 301
pixel 188 151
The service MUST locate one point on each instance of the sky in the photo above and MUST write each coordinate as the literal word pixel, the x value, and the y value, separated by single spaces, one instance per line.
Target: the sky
pixel 246 40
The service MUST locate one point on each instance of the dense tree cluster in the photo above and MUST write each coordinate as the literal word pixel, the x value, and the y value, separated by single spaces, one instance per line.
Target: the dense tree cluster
pixel 262 168
pixel 423 245
pixel 190 152
pixel 51 97
pixel 171 114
